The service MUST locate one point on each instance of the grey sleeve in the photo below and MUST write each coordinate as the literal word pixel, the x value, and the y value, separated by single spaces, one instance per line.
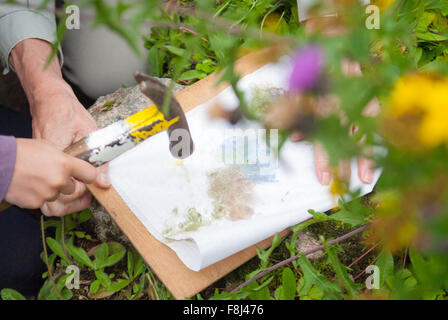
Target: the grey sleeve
pixel 22 20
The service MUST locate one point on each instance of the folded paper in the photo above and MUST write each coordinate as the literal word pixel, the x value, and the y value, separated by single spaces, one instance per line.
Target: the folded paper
pixel 233 191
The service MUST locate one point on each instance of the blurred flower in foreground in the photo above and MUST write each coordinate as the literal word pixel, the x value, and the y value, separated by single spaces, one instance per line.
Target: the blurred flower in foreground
pixel 307 69
pixel 383 4
pixel 272 22
pixel 419 106
pixel 296 109
pixel 396 223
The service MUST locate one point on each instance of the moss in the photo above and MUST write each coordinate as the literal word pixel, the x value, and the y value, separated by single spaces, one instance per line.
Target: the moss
pixel 108 105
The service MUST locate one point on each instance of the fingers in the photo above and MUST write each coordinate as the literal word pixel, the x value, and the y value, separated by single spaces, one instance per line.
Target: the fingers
pixel 82 171
pixel 372 109
pixel 321 163
pixel 365 170
pixel 102 179
pixel 80 190
pixel 69 187
pixel 297 136
pixel 344 170
pixel 60 208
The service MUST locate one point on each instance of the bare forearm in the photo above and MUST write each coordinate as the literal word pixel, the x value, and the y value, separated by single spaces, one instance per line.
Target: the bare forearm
pixel 29 58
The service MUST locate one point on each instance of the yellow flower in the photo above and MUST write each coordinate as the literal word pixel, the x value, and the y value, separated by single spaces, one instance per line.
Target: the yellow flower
pixel 396 222
pixel 383 4
pixel 424 96
pixel 272 22
pixel 339 186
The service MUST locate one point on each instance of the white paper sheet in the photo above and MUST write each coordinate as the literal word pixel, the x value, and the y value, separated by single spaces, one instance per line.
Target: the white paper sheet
pixel 160 190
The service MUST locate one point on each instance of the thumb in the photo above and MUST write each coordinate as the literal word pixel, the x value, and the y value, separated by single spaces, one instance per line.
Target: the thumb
pixel 102 179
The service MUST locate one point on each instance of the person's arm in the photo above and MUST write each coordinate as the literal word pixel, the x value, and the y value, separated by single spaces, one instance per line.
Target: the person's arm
pixel 36 173
pixel 58 117
pixel 7 161
pixel 19 21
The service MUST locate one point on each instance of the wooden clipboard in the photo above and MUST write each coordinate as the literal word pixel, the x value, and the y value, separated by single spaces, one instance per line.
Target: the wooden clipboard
pixel 181 281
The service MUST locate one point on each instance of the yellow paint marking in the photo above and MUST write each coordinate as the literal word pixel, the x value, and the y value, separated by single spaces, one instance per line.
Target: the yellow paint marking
pixel 150 118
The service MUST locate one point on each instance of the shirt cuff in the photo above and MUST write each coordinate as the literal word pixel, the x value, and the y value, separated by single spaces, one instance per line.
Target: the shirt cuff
pixel 8 149
pixel 24 24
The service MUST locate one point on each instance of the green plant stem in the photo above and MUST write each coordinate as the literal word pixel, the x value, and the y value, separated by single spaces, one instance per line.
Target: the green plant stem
pixel 289 260
pixel 63 239
pixel 153 287
pixel 44 244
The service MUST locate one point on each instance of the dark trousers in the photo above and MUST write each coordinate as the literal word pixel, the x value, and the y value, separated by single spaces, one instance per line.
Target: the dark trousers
pixel 21 267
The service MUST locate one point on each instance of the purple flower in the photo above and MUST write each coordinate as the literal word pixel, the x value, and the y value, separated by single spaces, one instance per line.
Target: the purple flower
pixel 307 69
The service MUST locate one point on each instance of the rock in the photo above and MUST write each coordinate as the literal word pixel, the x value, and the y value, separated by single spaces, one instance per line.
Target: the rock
pixel 106 110
pixel 305 241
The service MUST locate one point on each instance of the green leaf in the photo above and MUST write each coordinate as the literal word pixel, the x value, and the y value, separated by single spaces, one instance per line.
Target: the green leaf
pixel 314 293
pixel 138 288
pixel 425 20
pixel 312 277
pixel 114 247
pixel 84 216
pixel 191 74
pixel 255 291
pixel 340 270
pixel 119 284
pixel 80 234
pixel 103 278
pixel 44 290
pixel 11 294
pixel 70 223
pixel 430 36
pixel 94 286
pixel 176 51
pixel 155 67
pixel 113 259
pixel 57 249
pixel 131 264
pixel 101 253
pixel 262 294
pixel 352 213
pixel 265 254
pixel 47 291
pixel 385 263
pixel 289 285
pixel 80 255
pixel 140 266
pixel 206 66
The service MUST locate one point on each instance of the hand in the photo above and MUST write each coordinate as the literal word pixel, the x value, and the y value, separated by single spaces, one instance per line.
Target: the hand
pixel 62 120
pixel 332 26
pixel 326 106
pixel 58 117
pixel 43 173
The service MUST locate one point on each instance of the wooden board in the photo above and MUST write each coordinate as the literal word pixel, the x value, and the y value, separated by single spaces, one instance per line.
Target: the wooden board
pixel 181 281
